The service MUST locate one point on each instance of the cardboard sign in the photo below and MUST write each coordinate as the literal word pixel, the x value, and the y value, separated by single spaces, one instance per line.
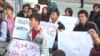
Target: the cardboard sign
pixel 51 31
pixel 21 28
pixel 23 48
pixel 75 43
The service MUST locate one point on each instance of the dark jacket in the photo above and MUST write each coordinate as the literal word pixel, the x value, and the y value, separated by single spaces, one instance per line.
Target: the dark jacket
pixel 97 20
pixel 92 14
pixel 88 25
pixel 20 14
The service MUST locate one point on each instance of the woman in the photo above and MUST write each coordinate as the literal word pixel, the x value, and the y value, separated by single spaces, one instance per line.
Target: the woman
pixel 31 11
pixel 68 12
pixel 10 18
pixel 45 14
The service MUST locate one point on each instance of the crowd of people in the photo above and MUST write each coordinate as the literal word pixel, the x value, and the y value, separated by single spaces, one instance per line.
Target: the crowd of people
pixel 89 23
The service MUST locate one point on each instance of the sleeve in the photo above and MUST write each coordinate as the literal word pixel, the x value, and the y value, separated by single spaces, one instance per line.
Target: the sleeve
pixel 61 26
pixel 45 49
pixel 97 47
pixel 3 31
pixel 75 28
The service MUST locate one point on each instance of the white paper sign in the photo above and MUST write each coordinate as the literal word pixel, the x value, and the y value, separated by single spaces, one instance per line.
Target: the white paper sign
pixel 69 22
pixel 31 1
pixel 51 31
pixel 23 48
pixel 21 28
pixel 75 43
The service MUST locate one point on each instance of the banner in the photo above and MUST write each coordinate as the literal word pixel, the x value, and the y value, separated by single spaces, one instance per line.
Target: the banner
pixel 75 43
pixel 51 31
pixel 23 48
pixel 21 28
pixel 69 22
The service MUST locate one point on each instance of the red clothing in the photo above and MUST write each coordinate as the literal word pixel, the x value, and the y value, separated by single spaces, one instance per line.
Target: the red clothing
pixel 34 34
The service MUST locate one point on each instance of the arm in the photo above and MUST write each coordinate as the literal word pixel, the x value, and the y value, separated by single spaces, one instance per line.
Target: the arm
pixel 45 48
pixel 3 31
pixel 95 38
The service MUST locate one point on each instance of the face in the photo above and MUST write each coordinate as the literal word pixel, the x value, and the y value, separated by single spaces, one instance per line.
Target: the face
pixel 1 8
pixel 54 16
pixel 36 8
pixel 67 13
pixel 96 9
pixel 25 9
pixel 44 11
pixel 33 23
pixel 82 18
pixel 9 11
pixel 29 12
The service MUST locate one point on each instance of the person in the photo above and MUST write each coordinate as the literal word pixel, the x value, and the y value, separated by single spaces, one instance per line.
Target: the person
pixel 68 11
pixel 96 9
pixel 37 8
pixel 54 19
pixel 95 38
pixel 38 35
pixel 31 11
pixel 2 13
pixel 18 6
pixel 24 12
pixel 95 51
pixel 6 4
pixel 45 14
pixel 82 3
pixel 10 19
pixel 58 53
pixel 95 15
pixel 3 36
pixel 84 24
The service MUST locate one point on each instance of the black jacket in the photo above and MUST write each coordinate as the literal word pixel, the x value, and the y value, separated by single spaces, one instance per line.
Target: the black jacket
pixel 20 14
pixel 88 25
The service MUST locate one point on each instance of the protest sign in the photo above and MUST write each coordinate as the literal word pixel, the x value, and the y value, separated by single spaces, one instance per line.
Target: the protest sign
pixel 75 43
pixel 51 31
pixel 31 1
pixel 69 22
pixel 21 28
pixel 23 48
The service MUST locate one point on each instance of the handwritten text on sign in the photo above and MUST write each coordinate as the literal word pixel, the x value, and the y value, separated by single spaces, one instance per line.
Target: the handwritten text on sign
pixel 23 48
pixel 75 43
pixel 21 28
pixel 51 31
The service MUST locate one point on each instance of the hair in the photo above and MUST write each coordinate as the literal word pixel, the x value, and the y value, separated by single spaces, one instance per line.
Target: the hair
pixel 96 4
pixel 83 12
pixel 9 7
pixel 69 10
pixel 48 12
pixel 2 5
pixel 38 6
pixel 58 53
pixel 26 5
pixel 33 10
pixel 36 16
pixel 56 11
